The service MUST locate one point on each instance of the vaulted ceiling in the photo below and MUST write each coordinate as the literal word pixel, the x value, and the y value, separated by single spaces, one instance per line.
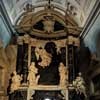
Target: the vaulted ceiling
pixel 79 9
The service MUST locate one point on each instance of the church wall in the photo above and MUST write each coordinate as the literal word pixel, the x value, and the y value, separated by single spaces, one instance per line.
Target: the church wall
pixel 90 69
pixel 7 65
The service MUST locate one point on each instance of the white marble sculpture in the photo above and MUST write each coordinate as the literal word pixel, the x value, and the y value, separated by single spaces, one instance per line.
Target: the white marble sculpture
pixel 32 78
pixel 37 52
pixel 79 84
pixel 63 75
pixel 48 24
pixel 46 58
pixel 16 81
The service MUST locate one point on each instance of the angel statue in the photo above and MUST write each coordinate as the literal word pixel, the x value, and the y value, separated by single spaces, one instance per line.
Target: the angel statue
pixel 45 57
pixel 32 78
pixel 16 81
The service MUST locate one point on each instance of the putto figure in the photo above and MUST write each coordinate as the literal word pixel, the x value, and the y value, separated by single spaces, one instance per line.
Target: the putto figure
pixel 32 78
pixel 16 81
pixel 45 57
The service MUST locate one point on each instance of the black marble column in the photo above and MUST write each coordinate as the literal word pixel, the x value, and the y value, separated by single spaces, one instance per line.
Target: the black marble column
pixel 71 63
pixel 25 62
pixel 20 53
pixel 76 62
pixel 33 56
pixel 73 44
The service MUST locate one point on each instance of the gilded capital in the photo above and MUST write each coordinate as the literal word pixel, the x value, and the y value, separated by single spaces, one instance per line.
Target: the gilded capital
pixel 20 40
pixel 26 38
pixel 77 42
pixel 70 39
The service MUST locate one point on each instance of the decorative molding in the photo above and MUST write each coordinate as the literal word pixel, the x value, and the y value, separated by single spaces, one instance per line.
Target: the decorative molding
pixel 25 25
pixel 74 41
pixel 44 87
